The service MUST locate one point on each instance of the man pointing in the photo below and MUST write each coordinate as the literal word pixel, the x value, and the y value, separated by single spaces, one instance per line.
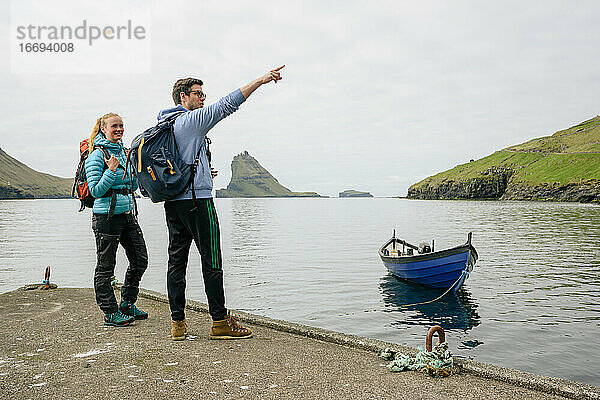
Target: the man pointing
pixel 189 220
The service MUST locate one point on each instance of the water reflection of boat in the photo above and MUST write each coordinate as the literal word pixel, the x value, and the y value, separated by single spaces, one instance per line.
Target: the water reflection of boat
pixel 456 310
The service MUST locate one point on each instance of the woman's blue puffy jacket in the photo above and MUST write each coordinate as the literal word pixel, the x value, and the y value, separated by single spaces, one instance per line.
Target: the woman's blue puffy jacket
pixel 100 178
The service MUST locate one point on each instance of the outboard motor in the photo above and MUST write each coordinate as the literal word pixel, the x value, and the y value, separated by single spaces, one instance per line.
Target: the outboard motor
pixel 424 247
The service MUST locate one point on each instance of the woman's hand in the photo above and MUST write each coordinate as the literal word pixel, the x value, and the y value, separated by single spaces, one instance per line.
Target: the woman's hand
pixel 112 163
pixel 213 172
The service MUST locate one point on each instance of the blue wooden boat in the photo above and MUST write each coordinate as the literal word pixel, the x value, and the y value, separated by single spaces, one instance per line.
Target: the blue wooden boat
pixel 444 269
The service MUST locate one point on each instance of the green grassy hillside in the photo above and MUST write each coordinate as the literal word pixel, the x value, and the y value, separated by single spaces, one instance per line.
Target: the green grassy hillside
pixel 18 181
pixel 250 179
pixel 566 158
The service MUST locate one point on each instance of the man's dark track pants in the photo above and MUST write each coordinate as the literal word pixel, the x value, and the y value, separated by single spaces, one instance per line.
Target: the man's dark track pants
pixel 186 221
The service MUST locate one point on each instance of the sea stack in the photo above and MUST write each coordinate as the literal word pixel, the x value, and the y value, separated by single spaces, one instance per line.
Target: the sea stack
pixel 250 179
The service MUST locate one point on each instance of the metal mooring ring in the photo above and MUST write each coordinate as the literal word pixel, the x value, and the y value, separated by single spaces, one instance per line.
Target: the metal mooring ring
pixel 432 330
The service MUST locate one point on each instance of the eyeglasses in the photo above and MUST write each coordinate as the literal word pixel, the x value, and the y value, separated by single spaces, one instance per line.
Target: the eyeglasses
pixel 198 93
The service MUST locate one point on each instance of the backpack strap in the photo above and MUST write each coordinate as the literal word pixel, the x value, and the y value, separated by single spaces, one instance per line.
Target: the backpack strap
pixel 208 153
pixel 75 180
pixel 131 177
pixel 194 169
pixel 112 193
pixel 103 150
pixel 107 155
pixel 113 200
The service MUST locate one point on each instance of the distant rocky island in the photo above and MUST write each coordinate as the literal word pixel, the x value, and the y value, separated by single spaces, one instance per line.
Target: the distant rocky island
pixel 250 179
pixel 354 193
pixel 18 181
pixel 562 167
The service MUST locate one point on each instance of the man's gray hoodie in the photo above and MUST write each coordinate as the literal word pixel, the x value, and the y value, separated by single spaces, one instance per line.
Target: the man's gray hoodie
pixel 190 129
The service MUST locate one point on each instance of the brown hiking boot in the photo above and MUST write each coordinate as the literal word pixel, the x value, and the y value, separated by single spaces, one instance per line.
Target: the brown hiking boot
pixel 229 328
pixel 178 330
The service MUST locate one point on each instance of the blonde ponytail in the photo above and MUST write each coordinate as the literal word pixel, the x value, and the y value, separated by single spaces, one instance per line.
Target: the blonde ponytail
pixel 94 133
pixel 99 124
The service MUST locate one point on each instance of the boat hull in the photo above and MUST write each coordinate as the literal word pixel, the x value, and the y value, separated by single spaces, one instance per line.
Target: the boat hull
pixel 441 269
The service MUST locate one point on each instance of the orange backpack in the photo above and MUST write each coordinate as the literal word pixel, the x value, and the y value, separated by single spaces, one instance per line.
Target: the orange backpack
pixel 81 189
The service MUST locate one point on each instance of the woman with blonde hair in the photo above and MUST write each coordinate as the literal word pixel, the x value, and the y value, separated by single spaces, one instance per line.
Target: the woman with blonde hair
pixel 111 183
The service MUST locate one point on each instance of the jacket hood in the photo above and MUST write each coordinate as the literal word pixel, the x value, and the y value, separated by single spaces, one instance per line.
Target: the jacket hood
pixel 169 112
pixel 101 140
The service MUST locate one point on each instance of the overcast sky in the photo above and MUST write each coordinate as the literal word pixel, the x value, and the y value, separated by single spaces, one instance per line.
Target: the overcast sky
pixel 375 95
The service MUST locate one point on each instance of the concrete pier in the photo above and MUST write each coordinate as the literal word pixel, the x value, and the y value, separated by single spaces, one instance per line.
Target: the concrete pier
pixel 54 346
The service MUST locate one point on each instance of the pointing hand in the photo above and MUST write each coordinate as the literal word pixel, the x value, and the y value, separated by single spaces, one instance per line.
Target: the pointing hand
pixel 272 75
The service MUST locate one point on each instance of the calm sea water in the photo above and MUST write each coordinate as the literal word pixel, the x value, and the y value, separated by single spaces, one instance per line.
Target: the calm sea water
pixel 531 303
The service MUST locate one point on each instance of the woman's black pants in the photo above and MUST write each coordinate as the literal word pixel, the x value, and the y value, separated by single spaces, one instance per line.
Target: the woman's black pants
pixel 124 229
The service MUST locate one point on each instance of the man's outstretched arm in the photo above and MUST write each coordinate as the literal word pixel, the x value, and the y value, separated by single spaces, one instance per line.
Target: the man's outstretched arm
pixel 272 75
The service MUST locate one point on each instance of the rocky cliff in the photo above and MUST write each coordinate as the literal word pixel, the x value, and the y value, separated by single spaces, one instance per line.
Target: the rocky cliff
pixel 562 167
pixel 250 179
pixel 18 181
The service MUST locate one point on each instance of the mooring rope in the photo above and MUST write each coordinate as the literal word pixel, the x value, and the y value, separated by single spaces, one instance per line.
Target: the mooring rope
pixel 464 272
pixel 438 362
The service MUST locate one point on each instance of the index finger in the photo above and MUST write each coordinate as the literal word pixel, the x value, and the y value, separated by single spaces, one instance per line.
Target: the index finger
pixel 277 69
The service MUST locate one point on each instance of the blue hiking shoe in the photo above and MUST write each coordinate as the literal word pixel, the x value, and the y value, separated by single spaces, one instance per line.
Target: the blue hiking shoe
pixel 117 319
pixel 131 310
